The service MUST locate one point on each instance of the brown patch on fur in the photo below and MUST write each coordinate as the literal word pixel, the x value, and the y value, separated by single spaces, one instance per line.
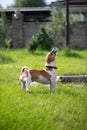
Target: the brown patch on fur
pixel 48 69
pixel 35 73
pixel 50 57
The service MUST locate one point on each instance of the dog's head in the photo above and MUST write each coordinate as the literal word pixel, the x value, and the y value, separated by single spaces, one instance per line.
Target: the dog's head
pixel 50 57
pixel 54 50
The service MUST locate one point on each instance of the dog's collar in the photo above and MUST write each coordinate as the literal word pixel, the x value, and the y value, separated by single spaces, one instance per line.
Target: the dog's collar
pixel 53 67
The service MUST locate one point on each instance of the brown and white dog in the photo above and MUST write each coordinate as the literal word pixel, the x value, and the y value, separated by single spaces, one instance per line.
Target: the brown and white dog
pixel 45 76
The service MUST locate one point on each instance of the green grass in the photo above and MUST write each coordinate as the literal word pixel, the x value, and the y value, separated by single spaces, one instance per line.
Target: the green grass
pixel 73 64
pixel 65 109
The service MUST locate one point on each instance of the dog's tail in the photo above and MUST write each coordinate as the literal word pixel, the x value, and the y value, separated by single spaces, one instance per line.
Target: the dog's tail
pixel 57 79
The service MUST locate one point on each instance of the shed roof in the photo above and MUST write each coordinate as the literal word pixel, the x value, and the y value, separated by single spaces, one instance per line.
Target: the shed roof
pixel 27 9
pixel 29 13
pixel 78 2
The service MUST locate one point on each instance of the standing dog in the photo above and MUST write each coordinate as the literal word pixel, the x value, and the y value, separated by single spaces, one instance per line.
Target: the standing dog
pixel 45 76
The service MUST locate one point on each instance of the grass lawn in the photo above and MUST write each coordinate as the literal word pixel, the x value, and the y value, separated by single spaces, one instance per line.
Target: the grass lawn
pixel 66 109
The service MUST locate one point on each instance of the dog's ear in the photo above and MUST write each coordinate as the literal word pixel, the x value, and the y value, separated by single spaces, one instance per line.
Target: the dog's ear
pixel 22 70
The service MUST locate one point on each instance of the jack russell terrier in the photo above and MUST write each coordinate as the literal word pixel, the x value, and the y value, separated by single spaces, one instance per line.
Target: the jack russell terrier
pixel 45 76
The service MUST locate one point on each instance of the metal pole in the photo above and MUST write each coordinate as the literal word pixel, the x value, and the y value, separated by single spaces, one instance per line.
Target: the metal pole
pixel 67 26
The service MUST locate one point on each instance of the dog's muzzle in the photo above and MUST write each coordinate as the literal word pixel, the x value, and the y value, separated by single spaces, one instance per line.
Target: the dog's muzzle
pixel 23 79
pixel 54 50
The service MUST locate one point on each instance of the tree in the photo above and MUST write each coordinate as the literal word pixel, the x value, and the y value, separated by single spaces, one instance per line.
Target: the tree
pixel 5 41
pixel 29 3
pixel 0 6
pixel 3 29
pixel 56 28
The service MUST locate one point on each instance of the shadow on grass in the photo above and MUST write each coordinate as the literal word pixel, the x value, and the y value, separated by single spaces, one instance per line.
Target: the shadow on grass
pixel 4 59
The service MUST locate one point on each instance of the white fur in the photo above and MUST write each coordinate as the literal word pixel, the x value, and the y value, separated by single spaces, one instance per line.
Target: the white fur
pixel 43 80
pixel 51 64
pixel 52 79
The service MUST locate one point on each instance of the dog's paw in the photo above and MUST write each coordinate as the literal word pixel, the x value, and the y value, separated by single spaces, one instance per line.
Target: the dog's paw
pixel 28 91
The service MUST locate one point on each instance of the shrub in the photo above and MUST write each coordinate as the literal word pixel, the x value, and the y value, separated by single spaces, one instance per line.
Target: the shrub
pixel 32 45
pixel 41 41
pixel 3 29
pixel 8 43
pixel 5 58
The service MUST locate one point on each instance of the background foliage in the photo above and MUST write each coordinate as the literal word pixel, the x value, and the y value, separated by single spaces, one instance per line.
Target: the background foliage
pixel 29 3
pixel 56 28
pixel 3 29
pixel 5 41
pixel 41 41
pixel 53 32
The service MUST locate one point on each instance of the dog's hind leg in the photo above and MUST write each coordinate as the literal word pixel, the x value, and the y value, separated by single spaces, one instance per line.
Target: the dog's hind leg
pixel 28 81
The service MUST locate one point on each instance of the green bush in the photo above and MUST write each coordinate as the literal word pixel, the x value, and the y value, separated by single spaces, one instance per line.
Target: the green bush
pixel 32 45
pixel 8 42
pixel 5 58
pixel 41 41
pixel 3 29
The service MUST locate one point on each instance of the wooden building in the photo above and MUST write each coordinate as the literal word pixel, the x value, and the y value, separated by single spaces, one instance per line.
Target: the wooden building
pixel 23 23
pixel 78 8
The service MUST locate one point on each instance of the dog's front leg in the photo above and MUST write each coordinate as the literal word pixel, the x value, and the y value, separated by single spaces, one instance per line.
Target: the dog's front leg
pixel 27 86
pixel 53 85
